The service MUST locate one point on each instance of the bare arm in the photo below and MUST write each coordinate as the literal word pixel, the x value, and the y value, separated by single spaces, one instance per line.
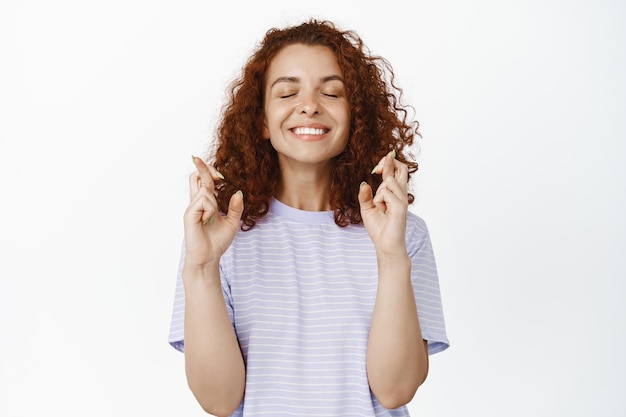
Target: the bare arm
pixel 213 361
pixel 397 358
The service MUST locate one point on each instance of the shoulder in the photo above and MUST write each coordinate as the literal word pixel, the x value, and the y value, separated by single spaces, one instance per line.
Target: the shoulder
pixel 415 224
pixel 413 218
pixel 417 233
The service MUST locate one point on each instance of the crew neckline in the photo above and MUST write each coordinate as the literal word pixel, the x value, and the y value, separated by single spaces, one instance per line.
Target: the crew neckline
pixel 281 209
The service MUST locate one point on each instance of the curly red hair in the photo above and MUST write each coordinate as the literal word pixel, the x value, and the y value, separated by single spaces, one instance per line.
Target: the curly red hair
pixel 379 123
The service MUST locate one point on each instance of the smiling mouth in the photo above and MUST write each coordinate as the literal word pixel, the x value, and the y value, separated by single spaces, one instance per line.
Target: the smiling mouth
pixel 309 131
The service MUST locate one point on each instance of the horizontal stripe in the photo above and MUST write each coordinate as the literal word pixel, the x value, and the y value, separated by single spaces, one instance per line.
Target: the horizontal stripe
pixel 300 291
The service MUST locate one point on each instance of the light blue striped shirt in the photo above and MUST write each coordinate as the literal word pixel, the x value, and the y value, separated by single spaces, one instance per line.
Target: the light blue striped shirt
pixel 300 293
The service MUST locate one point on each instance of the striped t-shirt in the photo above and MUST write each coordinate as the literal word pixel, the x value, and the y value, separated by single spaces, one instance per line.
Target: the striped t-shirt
pixel 300 293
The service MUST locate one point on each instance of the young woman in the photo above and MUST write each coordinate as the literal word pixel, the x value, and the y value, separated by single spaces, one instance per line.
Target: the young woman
pixel 306 286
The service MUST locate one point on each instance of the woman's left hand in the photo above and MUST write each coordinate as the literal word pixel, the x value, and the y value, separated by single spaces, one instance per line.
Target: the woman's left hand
pixel 384 214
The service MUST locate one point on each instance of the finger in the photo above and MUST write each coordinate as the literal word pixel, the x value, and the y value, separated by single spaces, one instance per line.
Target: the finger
pixel 194 184
pixel 368 201
pixel 401 173
pixel 204 178
pixel 392 194
pixel 366 197
pixel 392 167
pixel 397 188
pixel 208 174
pixel 387 198
pixel 201 209
pixel 235 209
pixel 398 173
pixel 388 166
pixel 378 169
pixel 198 191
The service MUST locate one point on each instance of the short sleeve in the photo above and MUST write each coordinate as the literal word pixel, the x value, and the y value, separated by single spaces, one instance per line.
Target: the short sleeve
pixel 425 282
pixel 176 336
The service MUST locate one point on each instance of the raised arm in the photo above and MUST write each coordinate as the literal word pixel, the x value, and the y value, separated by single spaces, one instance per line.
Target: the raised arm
pixel 397 357
pixel 213 361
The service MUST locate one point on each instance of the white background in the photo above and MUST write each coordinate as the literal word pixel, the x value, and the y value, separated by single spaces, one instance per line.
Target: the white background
pixel 522 108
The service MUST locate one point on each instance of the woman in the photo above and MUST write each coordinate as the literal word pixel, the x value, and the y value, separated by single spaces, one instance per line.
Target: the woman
pixel 306 286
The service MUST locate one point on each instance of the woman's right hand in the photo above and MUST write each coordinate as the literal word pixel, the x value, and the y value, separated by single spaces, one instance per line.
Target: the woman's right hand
pixel 207 232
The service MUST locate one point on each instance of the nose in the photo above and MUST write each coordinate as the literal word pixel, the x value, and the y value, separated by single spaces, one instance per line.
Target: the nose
pixel 309 104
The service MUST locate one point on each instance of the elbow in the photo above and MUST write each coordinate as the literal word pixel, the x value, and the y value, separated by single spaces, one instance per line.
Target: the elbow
pixel 217 411
pixel 396 398
pixel 220 403
pixel 219 395
pixel 218 408
pixel 400 393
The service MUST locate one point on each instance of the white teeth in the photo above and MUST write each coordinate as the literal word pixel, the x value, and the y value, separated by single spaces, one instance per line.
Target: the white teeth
pixel 308 131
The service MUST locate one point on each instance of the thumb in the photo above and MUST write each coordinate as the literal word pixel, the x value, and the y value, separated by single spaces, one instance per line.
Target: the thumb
pixel 366 198
pixel 235 208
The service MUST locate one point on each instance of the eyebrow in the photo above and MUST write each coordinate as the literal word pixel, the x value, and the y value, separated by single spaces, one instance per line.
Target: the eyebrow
pixel 297 80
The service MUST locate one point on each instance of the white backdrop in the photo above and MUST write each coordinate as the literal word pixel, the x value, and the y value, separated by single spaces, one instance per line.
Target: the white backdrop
pixel 522 108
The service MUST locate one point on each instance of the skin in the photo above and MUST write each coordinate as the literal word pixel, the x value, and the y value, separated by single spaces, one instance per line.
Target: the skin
pixel 304 89
pixel 218 385
pixel 397 362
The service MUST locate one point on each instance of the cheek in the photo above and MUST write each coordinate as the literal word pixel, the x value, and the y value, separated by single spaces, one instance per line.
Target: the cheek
pixel 269 120
pixel 344 115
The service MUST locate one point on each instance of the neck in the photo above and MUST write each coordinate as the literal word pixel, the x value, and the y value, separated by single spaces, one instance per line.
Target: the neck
pixel 305 189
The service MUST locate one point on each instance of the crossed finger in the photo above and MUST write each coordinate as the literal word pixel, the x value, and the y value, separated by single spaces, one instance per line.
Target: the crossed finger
pixel 395 169
pixel 205 176
pixel 391 167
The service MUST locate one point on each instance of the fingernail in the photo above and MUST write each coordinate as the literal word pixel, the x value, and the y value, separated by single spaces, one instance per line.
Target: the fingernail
pixel 209 220
pixel 393 154
pixel 219 174
pixel 362 184
pixel 240 193
pixel 193 159
pixel 374 170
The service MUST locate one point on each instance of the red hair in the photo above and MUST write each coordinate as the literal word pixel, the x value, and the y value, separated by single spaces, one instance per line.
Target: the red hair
pixel 379 123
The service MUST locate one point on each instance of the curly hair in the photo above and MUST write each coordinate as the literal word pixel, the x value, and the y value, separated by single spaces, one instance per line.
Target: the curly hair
pixel 379 123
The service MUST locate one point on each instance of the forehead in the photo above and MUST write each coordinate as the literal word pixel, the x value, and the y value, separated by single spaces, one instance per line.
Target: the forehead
pixel 300 60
